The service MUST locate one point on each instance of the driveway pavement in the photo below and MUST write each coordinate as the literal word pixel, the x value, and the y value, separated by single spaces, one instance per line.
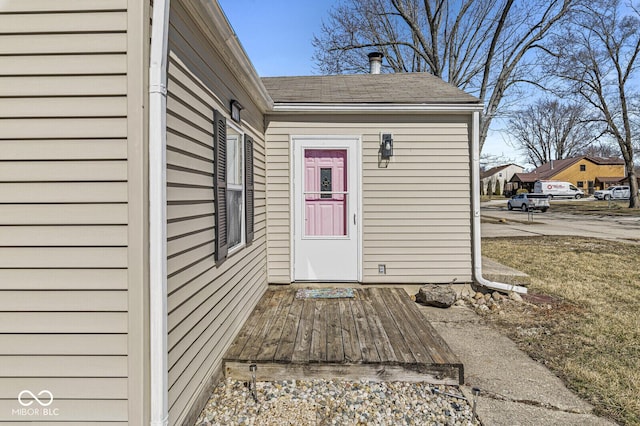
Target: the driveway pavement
pixel 500 222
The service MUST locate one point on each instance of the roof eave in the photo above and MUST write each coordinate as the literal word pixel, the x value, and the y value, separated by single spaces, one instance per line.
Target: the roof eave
pixel 213 22
pixel 356 108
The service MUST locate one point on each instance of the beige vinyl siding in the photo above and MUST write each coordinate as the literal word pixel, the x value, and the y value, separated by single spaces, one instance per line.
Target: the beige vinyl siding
pixel 207 304
pixel 67 121
pixel 416 213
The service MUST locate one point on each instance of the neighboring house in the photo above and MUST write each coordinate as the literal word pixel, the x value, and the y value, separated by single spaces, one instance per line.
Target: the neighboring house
pixel 498 177
pixel 618 181
pixel 151 193
pixel 587 173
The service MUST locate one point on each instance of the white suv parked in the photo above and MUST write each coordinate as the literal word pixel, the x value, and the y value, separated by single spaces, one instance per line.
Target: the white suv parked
pixel 613 193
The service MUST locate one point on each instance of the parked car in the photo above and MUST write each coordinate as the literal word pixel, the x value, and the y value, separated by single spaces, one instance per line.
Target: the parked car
pixel 613 193
pixel 556 188
pixel 526 202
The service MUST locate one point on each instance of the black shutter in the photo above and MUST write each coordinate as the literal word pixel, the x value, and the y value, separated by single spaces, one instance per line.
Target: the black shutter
pixel 249 188
pixel 220 184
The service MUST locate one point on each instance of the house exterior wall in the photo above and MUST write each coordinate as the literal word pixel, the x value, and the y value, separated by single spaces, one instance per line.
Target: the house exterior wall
pixel 592 170
pixel 500 179
pixel 207 304
pixel 72 248
pixel 416 212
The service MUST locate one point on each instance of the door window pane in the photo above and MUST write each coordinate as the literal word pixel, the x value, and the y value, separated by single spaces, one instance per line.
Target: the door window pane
pixel 325 192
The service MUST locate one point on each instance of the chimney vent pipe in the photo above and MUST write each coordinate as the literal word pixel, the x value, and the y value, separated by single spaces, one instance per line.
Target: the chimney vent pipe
pixel 375 62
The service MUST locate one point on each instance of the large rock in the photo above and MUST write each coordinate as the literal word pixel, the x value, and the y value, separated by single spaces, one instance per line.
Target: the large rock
pixel 441 296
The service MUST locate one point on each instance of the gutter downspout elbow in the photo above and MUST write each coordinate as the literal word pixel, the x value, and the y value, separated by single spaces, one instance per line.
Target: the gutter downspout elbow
pixel 159 403
pixel 476 241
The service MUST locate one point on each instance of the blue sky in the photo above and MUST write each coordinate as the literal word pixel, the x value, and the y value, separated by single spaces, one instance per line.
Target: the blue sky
pixel 277 34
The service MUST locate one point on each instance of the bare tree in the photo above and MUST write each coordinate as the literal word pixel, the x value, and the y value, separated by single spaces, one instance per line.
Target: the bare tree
pixel 598 57
pixel 551 130
pixel 603 149
pixel 481 46
pixel 488 161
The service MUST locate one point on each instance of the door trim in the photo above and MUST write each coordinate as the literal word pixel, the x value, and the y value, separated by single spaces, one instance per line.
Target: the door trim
pixel 355 143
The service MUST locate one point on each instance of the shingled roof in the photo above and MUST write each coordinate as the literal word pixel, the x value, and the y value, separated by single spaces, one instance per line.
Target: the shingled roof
pixel 397 88
pixel 492 171
pixel 552 168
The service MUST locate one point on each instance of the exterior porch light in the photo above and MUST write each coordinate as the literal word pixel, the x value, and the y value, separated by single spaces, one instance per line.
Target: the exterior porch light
pixel 386 146
pixel 235 110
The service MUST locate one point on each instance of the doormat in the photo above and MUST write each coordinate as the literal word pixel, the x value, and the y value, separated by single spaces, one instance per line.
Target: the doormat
pixel 325 293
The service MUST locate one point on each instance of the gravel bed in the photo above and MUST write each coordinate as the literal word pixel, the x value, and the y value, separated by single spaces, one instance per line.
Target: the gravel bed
pixel 335 402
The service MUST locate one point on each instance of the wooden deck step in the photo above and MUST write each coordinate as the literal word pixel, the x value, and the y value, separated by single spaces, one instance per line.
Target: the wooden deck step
pixel 378 335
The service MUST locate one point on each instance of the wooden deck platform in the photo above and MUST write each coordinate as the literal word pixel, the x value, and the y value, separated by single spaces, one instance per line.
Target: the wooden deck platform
pixel 380 334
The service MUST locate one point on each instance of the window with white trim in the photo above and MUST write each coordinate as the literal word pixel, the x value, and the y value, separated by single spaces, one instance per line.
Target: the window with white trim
pixel 233 187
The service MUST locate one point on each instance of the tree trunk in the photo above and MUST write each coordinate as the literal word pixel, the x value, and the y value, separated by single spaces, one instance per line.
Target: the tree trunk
pixel 634 199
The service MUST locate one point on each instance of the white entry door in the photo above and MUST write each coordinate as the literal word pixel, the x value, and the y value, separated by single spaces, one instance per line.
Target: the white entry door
pixel 326 204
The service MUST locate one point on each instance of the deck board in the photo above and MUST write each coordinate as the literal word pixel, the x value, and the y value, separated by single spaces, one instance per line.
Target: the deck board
pixel 335 348
pixel 368 350
pixel 261 330
pixel 350 343
pixel 378 335
pixel 380 338
pixel 395 335
pixel 275 331
pixel 302 344
pixel 438 350
pixel 318 350
pixel 414 344
pixel 247 329
pixel 284 352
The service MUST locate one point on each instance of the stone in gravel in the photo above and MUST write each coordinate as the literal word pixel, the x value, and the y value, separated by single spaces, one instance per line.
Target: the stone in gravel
pixel 441 296
pixel 478 296
pixel 497 296
pixel 363 402
pixel 515 296
pixel 466 291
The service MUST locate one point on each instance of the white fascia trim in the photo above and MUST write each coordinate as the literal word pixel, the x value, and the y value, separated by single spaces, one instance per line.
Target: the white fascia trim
pixel 159 366
pixel 214 23
pixel 369 108
pixel 476 241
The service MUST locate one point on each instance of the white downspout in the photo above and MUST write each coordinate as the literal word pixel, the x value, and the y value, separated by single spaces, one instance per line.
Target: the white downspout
pixel 476 238
pixel 158 214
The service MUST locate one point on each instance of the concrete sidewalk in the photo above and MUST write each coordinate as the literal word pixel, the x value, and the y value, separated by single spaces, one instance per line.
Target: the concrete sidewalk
pixel 514 389
pixel 494 271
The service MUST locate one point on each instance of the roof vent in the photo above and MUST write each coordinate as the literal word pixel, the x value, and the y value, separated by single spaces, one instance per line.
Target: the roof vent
pixel 375 62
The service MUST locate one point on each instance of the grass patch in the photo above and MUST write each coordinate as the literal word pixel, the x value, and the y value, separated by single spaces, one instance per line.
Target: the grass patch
pixel 595 207
pixel 484 198
pixel 584 321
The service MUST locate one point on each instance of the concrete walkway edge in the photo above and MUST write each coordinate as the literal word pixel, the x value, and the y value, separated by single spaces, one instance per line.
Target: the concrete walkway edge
pixel 514 389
